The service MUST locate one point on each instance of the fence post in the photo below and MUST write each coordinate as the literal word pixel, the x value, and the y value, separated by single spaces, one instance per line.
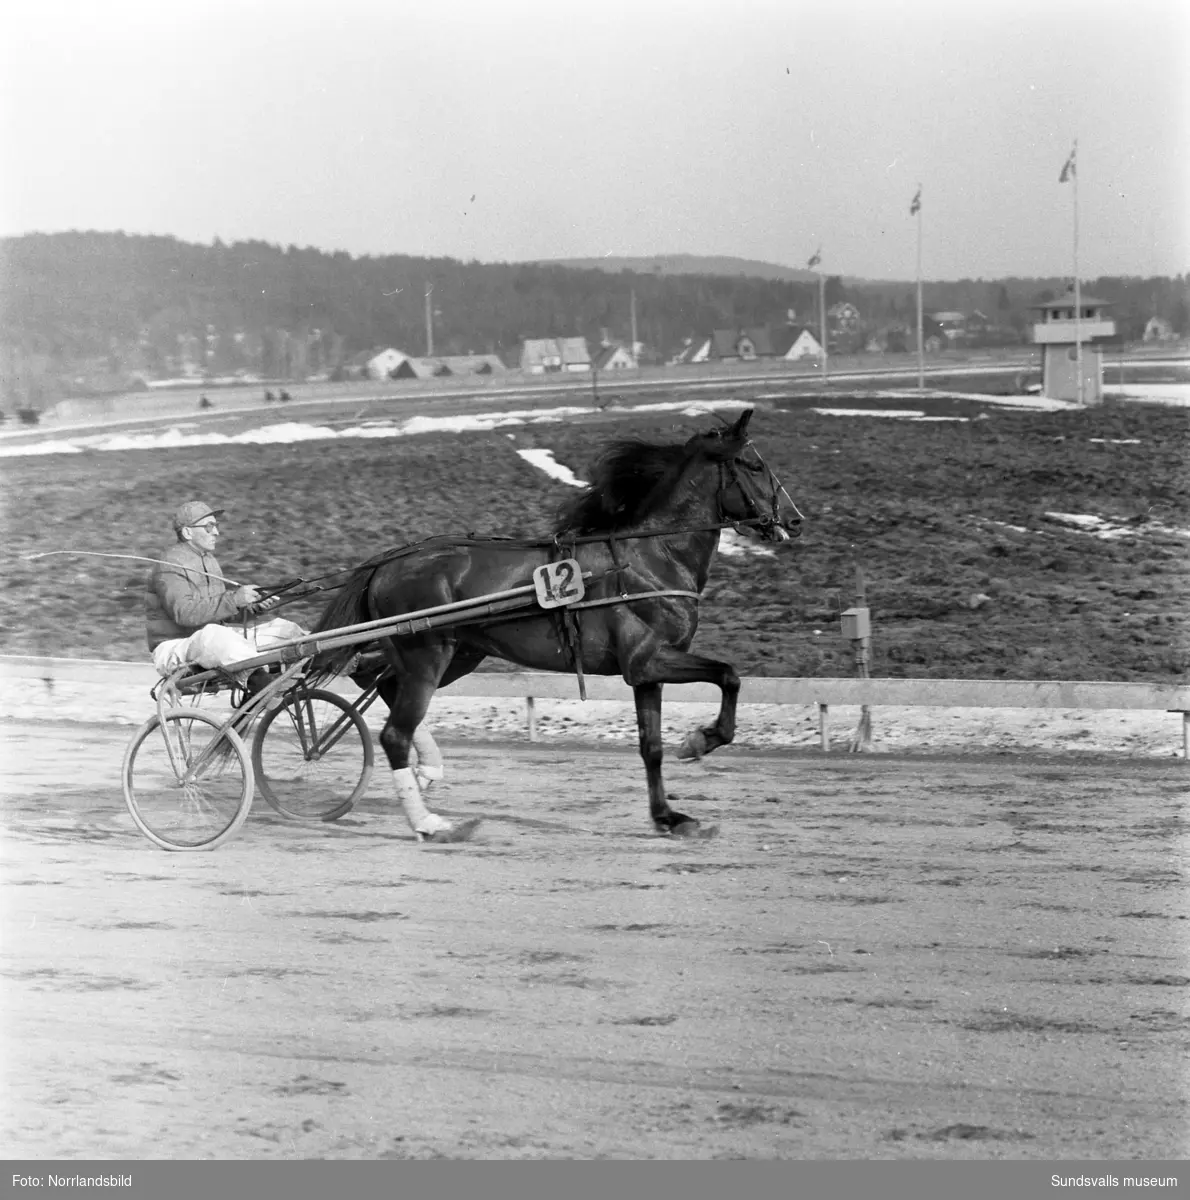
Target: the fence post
pixel 824 731
pixel 531 718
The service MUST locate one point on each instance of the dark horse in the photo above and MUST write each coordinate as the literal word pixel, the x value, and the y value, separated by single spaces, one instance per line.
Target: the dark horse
pixel 645 530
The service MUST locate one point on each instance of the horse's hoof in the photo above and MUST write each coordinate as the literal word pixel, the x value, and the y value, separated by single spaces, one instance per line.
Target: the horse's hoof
pixel 688 828
pixel 694 745
pixel 456 833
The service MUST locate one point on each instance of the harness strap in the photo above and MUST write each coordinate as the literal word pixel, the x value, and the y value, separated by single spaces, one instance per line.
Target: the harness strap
pixel 571 634
pixel 624 599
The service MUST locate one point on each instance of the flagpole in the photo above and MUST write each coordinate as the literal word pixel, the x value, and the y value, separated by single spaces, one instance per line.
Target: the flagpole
pixel 921 366
pixel 1078 308
pixel 822 319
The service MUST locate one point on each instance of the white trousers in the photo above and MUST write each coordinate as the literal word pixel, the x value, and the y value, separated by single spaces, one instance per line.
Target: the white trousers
pixel 222 645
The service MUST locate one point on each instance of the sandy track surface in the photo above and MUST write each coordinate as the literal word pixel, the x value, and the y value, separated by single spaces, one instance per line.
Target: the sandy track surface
pixel 943 957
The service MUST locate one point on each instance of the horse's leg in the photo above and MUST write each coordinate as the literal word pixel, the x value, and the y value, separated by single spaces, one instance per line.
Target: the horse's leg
pixel 667 665
pixel 408 697
pixel 648 727
pixel 722 732
pixel 430 767
pixel 428 764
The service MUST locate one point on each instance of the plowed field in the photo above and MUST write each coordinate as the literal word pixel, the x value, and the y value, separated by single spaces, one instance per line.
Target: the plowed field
pixel 966 571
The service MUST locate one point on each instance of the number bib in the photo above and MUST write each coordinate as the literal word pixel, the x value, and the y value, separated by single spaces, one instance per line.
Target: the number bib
pixel 559 583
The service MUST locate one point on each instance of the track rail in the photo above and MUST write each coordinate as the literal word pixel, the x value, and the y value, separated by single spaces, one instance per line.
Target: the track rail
pixel 1086 695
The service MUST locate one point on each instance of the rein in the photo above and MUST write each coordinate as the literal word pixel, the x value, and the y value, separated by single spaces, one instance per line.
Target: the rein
pixel 525 543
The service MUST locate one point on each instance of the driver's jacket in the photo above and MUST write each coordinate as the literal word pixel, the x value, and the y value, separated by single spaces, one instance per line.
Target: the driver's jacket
pixel 183 593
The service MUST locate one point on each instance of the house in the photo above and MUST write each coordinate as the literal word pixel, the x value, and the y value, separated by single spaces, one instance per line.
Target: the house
pixel 844 328
pixel 843 317
pixel 695 350
pixel 952 324
pixel 450 364
pixel 789 342
pixel 373 364
pixel 741 345
pixel 540 356
pixel 1159 330
pixel 383 363
pixel 614 358
pixel 796 342
pixel 933 336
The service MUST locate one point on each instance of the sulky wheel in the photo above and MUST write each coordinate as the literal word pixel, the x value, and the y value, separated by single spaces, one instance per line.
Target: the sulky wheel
pixel 187 785
pixel 312 756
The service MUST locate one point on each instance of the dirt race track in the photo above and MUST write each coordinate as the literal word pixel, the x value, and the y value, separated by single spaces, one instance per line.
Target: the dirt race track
pixel 911 957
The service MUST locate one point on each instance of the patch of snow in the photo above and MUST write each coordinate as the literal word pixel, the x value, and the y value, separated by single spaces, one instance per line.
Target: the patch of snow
pixel 294 431
pixel 37 448
pixel 1101 527
pixel 1176 395
pixel 544 460
pixel 903 413
pixel 734 544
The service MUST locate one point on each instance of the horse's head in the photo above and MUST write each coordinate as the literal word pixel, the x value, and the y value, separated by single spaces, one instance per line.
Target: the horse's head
pixel 750 494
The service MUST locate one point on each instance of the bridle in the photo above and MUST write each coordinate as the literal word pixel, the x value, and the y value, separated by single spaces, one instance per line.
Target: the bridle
pixel 767 522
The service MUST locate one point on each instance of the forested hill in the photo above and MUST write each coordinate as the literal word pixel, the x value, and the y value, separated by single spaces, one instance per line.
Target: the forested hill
pixel 86 311
pixel 686 264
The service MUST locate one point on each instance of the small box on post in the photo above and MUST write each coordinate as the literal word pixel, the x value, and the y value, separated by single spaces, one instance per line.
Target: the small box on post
pixel 857 624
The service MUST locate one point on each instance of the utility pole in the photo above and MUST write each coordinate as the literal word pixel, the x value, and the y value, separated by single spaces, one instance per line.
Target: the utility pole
pixel 429 320
pixel 633 310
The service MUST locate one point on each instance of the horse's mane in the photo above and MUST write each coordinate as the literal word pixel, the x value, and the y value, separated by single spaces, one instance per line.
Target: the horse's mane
pixel 632 478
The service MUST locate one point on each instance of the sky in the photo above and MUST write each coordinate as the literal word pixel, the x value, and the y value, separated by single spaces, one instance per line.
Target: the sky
pixel 519 130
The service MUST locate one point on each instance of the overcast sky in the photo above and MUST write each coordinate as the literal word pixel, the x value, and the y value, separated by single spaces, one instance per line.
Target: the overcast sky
pixel 515 129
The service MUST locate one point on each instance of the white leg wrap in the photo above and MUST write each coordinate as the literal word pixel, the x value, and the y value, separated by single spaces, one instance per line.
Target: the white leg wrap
pixel 427 758
pixel 428 776
pixel 428 754
pixel 408 792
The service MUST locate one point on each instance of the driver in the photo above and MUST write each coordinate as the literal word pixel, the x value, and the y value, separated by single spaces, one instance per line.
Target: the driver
pixel 188 601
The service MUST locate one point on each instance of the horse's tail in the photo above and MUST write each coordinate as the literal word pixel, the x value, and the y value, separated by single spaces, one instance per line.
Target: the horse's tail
pixel 349 607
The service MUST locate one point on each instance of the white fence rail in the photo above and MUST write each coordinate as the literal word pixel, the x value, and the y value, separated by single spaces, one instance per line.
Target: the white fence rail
pixel 892 693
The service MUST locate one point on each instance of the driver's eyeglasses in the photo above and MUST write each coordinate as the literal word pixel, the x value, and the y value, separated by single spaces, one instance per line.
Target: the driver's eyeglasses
pixel 209 526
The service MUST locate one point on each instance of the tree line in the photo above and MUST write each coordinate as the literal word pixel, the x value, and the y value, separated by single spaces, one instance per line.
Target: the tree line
pixel 93 311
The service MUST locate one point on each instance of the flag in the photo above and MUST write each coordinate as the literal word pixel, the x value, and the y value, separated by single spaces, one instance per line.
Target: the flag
pixel 815 260
pixel 1068 171
pixel 915 207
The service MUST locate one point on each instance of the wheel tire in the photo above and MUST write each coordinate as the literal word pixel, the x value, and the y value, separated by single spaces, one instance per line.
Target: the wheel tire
pixel 301 777
pixel 176 814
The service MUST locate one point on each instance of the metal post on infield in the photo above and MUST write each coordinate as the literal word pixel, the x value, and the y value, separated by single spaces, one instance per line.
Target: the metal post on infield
pixel 857 628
